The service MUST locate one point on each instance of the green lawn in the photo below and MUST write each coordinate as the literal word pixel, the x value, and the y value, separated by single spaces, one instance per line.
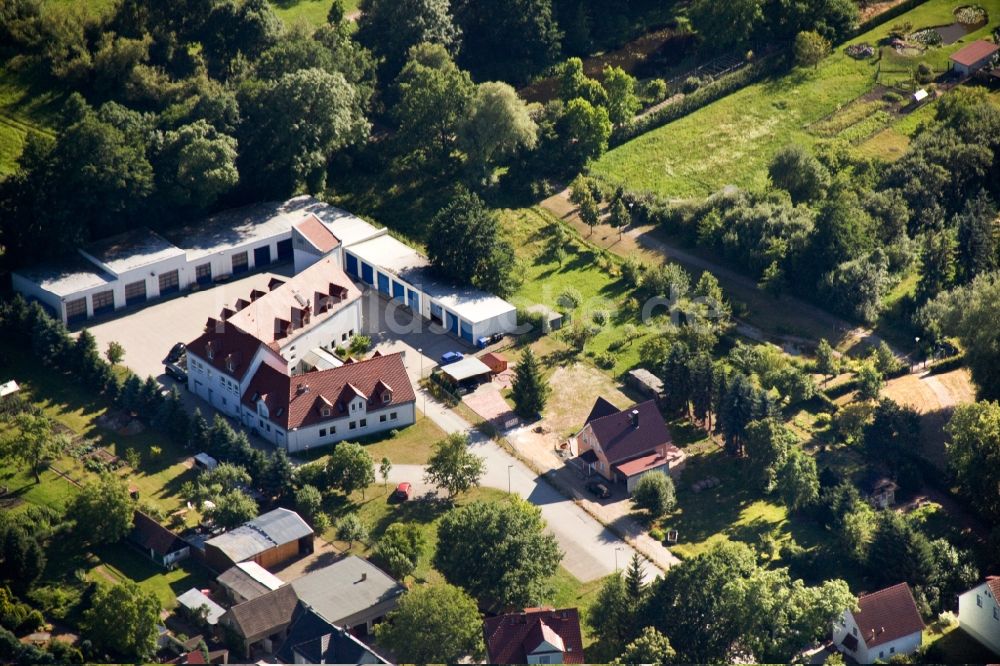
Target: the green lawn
pixel 310 12
pixel 732 140
pixel 581 272
pixel 951 645
pixel 123 562
pixel 412 445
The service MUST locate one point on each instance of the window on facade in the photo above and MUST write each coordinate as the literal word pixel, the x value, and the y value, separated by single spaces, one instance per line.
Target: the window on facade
pixel 392 416
pixel 892 650
pixel 325 411
pixel 333 430
pixel 364 422
pixel 996 613
pixel 854 631
pixel 386 398
pixel 352 425
pixel 203 272
pixel 881 654
pixel 979 601
pixel 343 337
pixel 382 418
pixel 322 432
pixel 240 262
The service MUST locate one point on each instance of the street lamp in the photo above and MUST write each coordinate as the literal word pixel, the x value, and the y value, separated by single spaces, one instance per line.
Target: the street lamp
pixel 508 480
pixel 617 548
pixel 916 352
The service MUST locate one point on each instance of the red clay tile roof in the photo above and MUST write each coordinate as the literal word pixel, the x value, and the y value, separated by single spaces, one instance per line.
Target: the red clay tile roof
pixel 291 407
pixel 317 234
pixel 974 52
pixel 652 461
pixel 994 583
pixel 150 535
pixel 232 348
pixel 510 637
pixel 887 615
pixel 622 441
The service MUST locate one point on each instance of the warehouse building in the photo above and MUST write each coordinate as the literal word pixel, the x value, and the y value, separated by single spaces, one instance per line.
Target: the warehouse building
pixel 269 540
pixel 402 274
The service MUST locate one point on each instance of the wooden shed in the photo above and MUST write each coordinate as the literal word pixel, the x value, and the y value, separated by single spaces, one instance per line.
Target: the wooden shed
pixel 496 362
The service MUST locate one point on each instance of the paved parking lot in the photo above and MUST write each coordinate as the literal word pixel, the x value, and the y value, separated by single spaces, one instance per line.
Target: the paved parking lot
pixel 148 333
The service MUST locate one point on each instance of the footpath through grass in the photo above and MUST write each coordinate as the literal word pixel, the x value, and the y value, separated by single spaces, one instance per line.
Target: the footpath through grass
pixel 733 140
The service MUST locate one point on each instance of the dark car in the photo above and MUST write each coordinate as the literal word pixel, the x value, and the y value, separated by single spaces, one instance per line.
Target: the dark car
pixel 176 352
pixel 176 371
pixel 451 357
pixel 403 491
pixel 599 489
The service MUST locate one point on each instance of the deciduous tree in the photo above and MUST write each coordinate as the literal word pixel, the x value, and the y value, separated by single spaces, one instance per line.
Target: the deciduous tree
pixel 810 49
pixel 974 454
pixel 350 468
pixel 391 27
pixel 651 647
pixel 232 509
pixel 103 510
pixel 399 548
pixel 499 552
pixel 655 494
pixel 123 618
pixel 434 624
pixel 768 445
pixel 453 467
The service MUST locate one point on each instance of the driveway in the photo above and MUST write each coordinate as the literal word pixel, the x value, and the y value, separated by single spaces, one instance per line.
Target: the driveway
pixel 148 333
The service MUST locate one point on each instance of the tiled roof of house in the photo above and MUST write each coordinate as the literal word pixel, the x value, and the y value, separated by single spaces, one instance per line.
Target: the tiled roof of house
pixel 600 409
pixel 974 52
pixel 994 583
pixel 266 614
pixel 150 535
pixel 625 435
pixel 294 402
pixel 672 457
pixel 301 303
pixel 317 234
pixel 225 347
pixel 888 614
pixel 509 638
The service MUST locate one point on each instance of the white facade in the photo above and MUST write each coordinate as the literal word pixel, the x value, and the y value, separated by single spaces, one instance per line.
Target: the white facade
pixel 979 615
pixel 365 422
pixel 863 654
pixel 337 330
pixel 222 390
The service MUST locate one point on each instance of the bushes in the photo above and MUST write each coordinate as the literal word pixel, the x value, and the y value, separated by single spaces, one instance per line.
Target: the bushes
pixel 925 73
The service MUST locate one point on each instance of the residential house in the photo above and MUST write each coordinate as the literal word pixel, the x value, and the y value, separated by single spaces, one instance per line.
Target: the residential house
pixel 269 540
pixel 624 445
pixel 246 581
pixel 534 636
pixel 972 58
pixel 261 623
pixel 157 542
pixel 979 613
pixel 882 492
pixel 886 623
pixel 312 640
pixel 352 592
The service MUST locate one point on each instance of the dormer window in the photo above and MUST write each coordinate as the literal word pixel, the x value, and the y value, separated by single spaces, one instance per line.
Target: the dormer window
pixel 324 411
pixel 386 397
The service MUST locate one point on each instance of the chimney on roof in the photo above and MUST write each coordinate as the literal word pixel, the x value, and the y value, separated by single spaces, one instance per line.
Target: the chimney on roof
pixel 302 388
pixel 635 418
pixel 364 577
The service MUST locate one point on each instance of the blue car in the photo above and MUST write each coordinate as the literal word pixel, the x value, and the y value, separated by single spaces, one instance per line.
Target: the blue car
pixel 451 357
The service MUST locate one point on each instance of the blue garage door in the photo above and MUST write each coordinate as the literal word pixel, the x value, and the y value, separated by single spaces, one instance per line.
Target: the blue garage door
pixel 436 312
pixel 367 273
pixel 398 292
pixel 414 300
pixel 383 284
pixel 467 331
pixel 352 265
pixel 452 322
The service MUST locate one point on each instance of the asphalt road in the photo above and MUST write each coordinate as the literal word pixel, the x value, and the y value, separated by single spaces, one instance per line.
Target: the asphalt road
pixel 590 550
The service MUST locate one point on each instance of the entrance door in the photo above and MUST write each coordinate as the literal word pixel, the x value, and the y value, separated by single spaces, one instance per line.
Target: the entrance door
pixel 262 256
pixel 285 249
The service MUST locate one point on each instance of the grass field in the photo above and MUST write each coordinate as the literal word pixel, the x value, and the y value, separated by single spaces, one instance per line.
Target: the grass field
pixel 732 140
pixel 310 12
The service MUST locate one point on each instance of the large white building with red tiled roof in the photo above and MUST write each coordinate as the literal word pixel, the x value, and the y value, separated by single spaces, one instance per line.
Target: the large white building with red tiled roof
pixel 886 623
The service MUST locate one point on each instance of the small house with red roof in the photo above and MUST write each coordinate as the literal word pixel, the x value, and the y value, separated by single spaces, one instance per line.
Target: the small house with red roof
pixel 534 636
pixel 972 58
pixel 157 542
pixel 979 613
pixel 623 445
pixel 886 623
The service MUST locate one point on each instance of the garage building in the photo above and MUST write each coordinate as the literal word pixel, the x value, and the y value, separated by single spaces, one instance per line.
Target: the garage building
pixel 403 275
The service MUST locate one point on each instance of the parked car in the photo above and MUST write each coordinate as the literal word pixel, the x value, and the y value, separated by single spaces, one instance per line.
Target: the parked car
pixel 599 489
pixel 176 371
pixel 451 357
pixel 403 491
pixel 176 352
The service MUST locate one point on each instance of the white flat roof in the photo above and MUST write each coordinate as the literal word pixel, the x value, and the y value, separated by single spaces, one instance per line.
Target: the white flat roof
pixel 131 250
pixel 238 227
pixel 9 387
pixel 69 279
pixel 195 599
pixel 467 368
pixel 261 575
pixel 321 359
pixel 348 228
pixel 396 257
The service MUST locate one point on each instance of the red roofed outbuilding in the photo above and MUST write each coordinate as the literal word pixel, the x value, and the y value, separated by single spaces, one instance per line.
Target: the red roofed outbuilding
pixel 886 623
pixel 972 58
pixel 534 636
